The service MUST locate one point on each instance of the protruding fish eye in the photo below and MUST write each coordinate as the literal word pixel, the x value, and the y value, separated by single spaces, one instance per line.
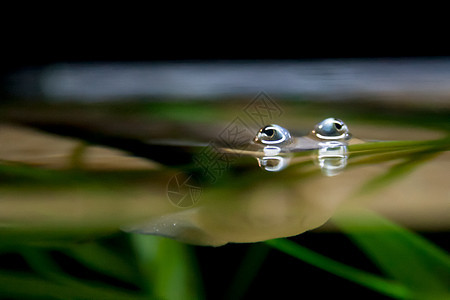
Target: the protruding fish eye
pixel 331 129
pixel 273 135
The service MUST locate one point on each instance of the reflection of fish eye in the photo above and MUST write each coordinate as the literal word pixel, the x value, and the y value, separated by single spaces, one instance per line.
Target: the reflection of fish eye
pixel 273 135
pixel 332 157
pixel 331 129
pixel 273 163
pixel 332 166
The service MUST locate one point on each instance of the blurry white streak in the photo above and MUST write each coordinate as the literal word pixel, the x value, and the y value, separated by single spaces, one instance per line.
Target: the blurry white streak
pixel 330 79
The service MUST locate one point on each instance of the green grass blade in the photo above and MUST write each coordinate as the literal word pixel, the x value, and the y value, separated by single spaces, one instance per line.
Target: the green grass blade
pixel 25 286
pixel 389 146
pixel 248 269
pixel 41 262
pixel 168 266
pixel 363 278
pixel 403 255
pixel 396 172
pixel 103 260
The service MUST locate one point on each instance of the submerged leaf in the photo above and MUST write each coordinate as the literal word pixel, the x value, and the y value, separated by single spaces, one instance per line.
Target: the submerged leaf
pixel 168 267
pixel 396 172
pixel 104 260
pixel 363 278
pixel 251 264
pixel 43 264
pixel 25 286
pixel 403 255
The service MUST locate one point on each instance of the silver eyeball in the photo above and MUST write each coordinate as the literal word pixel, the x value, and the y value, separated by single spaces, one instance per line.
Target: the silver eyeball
pixel 273 135
pixel 331 129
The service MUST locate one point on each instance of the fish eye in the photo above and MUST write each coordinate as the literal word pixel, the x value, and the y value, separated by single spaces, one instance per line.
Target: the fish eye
pixel 331 129
pixel 273 135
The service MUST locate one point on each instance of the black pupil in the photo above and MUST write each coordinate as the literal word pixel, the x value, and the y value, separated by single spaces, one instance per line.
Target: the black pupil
pixel 338 126
pixel 268 132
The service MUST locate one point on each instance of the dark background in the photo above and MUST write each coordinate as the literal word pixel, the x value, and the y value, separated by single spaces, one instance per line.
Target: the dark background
pixel 38 36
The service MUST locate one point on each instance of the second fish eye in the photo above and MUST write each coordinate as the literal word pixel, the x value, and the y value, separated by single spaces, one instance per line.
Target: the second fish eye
pixel 331 129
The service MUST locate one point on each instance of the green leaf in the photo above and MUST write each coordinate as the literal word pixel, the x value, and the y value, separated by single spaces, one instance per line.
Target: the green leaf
pixel 252 262
pixel 384 286
pixel 419 265
pixel 56 279
pixel 168 266
pixel 98 258
pixel 25 286
pixel 396 172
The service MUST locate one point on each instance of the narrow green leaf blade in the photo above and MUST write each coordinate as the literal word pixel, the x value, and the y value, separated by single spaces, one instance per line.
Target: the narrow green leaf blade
pixel 103 260
pixel 168 266
pixel 363 278
pixel 403 255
